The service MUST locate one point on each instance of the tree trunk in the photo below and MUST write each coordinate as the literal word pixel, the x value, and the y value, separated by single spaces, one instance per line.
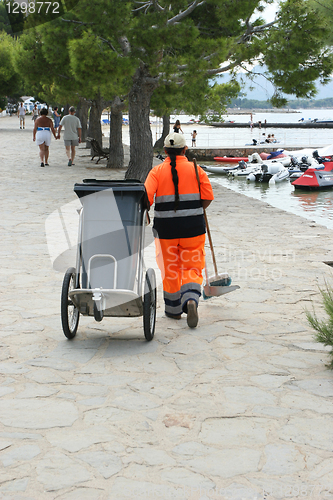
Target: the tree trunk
pixel 66 109
pixel 159 144
pixel 141 141
pixel 116 157
pixel 82 113
pixel 95 127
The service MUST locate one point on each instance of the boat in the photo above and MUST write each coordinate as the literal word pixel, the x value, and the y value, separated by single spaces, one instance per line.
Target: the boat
pixel 269 173
pixel 230 159
pixel 325 120
pixel 325 152
pixel 219 169
pixel 244 169
pixel 313 178
pixel 299 166
pixel 280 176
pixel 254 165
pixel 255 162
pixel 270 159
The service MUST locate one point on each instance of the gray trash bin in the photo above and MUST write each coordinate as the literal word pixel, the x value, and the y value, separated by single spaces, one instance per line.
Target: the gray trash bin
pixel 108 278
pixel 112 222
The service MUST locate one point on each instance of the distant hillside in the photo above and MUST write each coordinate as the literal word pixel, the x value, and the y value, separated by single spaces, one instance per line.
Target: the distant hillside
pixel 260 87
pixel 295 104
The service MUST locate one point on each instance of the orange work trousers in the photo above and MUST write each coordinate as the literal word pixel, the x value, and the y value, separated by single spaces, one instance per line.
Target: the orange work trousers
pixel 181 262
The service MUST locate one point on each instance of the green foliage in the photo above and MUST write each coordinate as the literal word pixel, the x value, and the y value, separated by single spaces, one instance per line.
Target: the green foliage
pixel 3 102
pixel 43 57
pixel 324 329
pixel 11 22
pixel 30 61
pixel 219 98
pixel 98 69
pixel 10 79
pixel 4 20
pixel 297 53
pixel 324 8
pixel 86 48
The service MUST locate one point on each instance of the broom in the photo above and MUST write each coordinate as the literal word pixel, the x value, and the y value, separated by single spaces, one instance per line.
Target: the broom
pixel 219 284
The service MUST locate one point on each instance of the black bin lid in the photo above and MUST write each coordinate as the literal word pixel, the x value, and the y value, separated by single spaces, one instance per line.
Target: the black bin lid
pixel 89 186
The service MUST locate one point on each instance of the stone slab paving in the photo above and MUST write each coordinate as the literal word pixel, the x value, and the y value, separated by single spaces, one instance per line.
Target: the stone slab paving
pixel 239 408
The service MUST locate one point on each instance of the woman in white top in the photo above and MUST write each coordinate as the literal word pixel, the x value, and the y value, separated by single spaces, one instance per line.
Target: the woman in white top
pixel 42 135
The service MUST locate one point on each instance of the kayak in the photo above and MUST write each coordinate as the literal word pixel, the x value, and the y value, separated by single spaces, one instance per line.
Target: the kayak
pixel 230 159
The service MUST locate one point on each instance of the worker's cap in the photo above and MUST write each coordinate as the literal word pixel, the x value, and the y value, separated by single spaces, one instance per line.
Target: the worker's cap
pixel 174 140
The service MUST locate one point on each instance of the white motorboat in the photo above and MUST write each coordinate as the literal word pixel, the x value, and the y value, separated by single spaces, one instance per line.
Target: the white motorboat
pixel 271 173
pixel 220 170
pixel 256 158
pixel 280 176
pixel 244 170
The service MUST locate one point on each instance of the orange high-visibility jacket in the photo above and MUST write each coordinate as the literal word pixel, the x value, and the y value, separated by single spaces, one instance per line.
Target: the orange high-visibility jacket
pixel 188 221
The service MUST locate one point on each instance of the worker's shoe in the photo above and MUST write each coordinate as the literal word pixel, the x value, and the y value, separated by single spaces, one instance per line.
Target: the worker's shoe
pixel 192 313
pixel 173 316
pixel 69 163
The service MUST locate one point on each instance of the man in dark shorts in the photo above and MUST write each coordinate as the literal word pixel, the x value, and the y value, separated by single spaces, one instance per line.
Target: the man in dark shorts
pixel 72 134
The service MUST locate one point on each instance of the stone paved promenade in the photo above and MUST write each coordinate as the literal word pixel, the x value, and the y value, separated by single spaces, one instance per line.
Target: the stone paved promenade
pixel 240 408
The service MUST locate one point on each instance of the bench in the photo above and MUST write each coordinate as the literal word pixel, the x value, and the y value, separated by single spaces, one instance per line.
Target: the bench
pixel 97 150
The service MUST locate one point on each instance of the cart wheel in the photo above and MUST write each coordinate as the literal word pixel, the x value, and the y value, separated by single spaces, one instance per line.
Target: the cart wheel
pixel 98 313
pixel 70 314
pixel 149 305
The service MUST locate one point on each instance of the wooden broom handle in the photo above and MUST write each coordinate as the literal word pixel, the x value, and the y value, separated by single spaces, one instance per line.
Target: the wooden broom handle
pixel 206 219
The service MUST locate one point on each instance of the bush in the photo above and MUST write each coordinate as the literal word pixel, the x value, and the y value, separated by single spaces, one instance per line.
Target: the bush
pixel 324 329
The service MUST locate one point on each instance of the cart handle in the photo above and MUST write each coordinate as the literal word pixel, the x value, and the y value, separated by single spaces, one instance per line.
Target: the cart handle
pixel 108 256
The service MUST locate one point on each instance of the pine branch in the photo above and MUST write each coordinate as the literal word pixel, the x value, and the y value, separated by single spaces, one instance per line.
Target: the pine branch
pixel 76 22
pixel 145 6
pixel 186 12
pixel 158 7
pixel 216 71
pixel 323 5
pixel 110 45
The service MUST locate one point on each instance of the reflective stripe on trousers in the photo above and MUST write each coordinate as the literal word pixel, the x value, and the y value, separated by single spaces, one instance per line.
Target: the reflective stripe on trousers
pixel 181 262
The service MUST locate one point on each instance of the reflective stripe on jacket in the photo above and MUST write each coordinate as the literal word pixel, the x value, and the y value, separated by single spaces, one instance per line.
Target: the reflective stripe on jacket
pixel 188 220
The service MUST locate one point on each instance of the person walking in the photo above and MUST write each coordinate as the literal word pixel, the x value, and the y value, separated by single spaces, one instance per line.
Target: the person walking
pixel 56 118
pixel 42 135
pixel 72 134
pixel 194 138
pixel 179 227
pixel 177 127
pixel 35 113
pixel 21 114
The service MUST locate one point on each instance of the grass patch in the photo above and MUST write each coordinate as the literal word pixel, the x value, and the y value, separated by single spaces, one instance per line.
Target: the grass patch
pixel 324 329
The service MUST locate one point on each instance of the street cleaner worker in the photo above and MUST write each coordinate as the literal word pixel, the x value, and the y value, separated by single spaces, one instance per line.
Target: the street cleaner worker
pixel 179 227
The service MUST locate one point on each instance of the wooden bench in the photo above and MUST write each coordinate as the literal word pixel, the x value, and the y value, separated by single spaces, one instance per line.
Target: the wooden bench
pixel 97 150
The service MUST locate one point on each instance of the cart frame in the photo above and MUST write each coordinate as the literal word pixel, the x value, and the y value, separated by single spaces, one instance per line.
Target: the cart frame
pixel 102 302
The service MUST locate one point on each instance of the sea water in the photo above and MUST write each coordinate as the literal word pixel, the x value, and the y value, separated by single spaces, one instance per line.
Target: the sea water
pixel 214 137
pixel 313 205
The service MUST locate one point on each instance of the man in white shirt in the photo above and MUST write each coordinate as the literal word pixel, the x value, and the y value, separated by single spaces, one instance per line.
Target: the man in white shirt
pixel 72 134
pixel 21 114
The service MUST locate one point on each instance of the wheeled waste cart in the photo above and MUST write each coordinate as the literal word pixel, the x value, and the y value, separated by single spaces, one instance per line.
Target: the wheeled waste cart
pixel 109 278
